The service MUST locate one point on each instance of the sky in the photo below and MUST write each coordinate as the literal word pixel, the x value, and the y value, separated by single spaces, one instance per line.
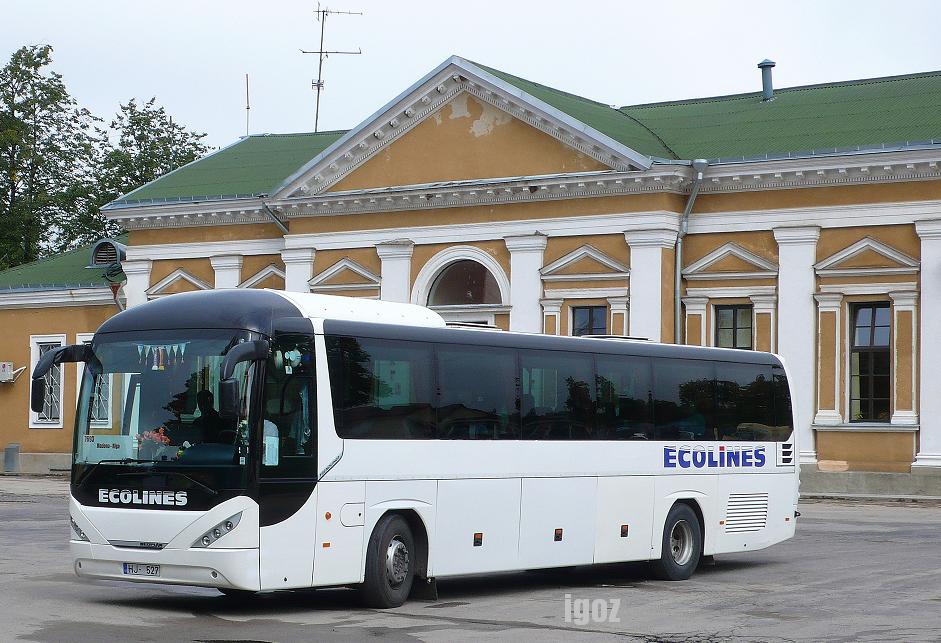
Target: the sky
pixel 193 55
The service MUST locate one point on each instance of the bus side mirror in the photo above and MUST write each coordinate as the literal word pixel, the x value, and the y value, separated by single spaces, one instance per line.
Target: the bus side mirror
pixel 228 386
pixel 61 355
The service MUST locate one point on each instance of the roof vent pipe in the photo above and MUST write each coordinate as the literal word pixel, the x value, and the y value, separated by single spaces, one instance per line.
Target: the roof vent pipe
pixel 767 89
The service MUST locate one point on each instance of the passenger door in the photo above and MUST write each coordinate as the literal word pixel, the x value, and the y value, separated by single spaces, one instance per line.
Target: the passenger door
pixel 288 464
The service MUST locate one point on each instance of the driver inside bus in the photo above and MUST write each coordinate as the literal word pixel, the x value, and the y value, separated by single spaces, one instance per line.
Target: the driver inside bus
pixel 209 422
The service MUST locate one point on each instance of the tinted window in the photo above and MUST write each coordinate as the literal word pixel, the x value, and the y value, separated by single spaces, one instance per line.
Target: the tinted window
pixel 783 419
pixel 382 389
pixel 683 393
pixel 743 402
pixel 289 415
pixel 624 398
pixel 557 400
pixel 477 393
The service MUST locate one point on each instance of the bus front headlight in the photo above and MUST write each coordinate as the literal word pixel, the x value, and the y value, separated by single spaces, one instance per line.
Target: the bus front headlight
pixel 218 531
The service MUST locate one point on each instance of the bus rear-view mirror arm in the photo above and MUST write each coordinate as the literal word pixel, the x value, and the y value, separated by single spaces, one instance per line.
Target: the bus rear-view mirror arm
pixel 61 355
pixel 229 386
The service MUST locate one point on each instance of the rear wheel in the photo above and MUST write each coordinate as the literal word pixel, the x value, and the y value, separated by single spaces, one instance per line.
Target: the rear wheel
pixel 390 563
pixel 681 546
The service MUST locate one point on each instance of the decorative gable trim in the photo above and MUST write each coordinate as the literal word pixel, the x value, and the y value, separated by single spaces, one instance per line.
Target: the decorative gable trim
pixel 699 270
pixel 172 278
pixel 617 269
pixel 429 94
pixel 829 267
pixel 317 283
pixel 261 275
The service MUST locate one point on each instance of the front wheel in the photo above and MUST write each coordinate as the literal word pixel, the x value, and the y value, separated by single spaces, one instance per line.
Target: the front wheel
pixel 681 546
pixel 390 563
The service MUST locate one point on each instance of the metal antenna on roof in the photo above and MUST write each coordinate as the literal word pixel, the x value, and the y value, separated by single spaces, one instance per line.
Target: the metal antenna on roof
pixel 322 53
pixel 248 106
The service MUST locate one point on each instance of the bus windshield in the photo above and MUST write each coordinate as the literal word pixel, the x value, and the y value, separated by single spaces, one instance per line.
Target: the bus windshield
pixel 154 398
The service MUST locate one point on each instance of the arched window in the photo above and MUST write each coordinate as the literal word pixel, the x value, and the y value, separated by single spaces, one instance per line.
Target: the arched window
pixel 463 283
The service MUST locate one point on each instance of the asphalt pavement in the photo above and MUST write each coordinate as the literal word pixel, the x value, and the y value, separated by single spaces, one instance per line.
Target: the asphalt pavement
pixel 854 572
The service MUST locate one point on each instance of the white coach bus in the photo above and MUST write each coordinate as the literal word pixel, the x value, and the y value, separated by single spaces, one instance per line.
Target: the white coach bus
pixel 254 440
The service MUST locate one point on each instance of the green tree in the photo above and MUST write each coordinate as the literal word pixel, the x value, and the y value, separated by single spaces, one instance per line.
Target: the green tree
pixel 48 151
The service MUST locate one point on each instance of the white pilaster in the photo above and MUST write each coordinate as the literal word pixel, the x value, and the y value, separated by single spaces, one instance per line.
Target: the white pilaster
pixel 696 306
pixel 396 258
pixel 526 257
pixel 929 434
pixel 765 305
pixel 830 303
pixel 228 269
pixel 298 268
pixel 138 281
pixel 618 307
pixel 797 250
pixel 904 301
pixel 552 309
pixel 646 290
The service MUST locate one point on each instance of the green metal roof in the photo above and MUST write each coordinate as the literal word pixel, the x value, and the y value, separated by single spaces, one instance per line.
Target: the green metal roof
pixel 66 270
pixel 252 166
pixel 831 117
pixel 877 113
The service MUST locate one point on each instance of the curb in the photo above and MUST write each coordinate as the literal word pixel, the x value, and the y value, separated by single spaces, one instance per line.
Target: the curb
pixel 863 497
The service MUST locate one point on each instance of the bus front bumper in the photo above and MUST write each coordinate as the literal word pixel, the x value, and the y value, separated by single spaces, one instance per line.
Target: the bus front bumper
pixel 205 567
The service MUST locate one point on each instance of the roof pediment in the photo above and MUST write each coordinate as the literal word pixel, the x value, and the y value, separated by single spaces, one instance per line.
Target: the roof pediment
pixel 586 262
pixel 867 257
pixel 177 281
pixel 426 97
pixel 731 261
pixel 345 274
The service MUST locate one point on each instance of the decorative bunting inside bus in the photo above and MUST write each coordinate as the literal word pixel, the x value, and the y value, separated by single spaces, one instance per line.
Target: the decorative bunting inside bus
pixel 159 357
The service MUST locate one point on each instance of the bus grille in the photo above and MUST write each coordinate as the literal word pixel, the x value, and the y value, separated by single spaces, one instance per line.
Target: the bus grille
pixel 746 512
pixel 785 454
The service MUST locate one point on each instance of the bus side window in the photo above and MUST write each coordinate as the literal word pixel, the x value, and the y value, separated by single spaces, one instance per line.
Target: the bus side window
pixel 743 402
pixel 382 388
pixel 557 400
pixel 624 398
pixel 477 397
pixel 783 419
pixel 684 392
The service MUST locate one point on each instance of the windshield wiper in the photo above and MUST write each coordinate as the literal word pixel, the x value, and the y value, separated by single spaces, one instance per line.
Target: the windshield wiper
pixel 119 461
pixel 204 486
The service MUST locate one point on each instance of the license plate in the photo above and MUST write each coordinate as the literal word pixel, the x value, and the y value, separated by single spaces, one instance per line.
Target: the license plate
pixel 137 569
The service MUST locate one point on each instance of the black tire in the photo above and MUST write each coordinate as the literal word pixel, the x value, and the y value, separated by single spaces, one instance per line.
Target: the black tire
pixel 390 563
pixel 681 545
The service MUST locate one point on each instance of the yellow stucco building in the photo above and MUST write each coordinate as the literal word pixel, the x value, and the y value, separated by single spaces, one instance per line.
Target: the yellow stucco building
pixel 805 221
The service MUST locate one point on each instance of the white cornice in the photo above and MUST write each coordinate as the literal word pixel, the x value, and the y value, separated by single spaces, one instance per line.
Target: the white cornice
pixel 700 268
pixel 653 238
pixel 585 293
pixel 526 243
pixel 203 249
pixel 173 277
pixel 340 266
pixel 796 235
pixel 56 298
pixel 730 292
pixel 829 267
pixel 869 289
pixel 929 229
pixel 395 249
pixel 222 262
pixel 587 251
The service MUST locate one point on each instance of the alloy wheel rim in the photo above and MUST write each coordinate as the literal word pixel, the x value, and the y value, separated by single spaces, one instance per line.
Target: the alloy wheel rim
pixel 397 560
pixel 681 542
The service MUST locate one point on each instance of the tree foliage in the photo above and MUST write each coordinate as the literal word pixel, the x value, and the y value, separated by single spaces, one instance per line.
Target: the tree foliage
pixel 59 164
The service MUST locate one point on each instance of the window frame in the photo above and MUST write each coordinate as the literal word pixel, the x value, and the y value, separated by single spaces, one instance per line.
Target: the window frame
pixel 851 349
pixel 716 308
pixel 590 308
pixel 34 354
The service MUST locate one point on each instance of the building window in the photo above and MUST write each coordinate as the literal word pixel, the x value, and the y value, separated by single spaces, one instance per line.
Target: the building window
pixel 734 326
pixel 100 411
pixel 589 320
pixel 870 366
pixel 464 283
pixel 51 414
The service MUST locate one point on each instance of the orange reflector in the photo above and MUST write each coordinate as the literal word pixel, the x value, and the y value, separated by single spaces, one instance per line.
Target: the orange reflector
pixel 326 545
pixel 328 515
pixel 787 520
pixel 721 522
pixel 478 539
pixel 558 535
